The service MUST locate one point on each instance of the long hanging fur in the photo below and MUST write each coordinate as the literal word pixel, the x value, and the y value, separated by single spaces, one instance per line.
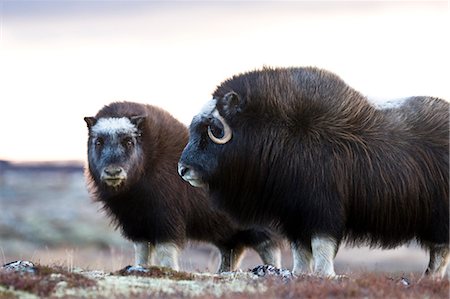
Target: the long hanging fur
pixel 156 205
pixel 376 176
pixel 313 155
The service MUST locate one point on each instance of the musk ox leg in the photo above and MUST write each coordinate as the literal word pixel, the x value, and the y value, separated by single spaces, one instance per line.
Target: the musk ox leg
pixel 439 259
pixel 269 253
pixel 230 259
pixel 167 254
pixel 324 250
pixel 302 258
pixel 141 253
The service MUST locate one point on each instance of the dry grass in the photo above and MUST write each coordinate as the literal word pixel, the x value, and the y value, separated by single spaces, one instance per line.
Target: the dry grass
pixel 157 272
pixel 44 281
pixel 166 283
pixel 369 285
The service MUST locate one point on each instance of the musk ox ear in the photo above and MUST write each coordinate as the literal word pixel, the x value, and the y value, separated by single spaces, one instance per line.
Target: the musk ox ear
pixel 230 104
pixel 90 121
pixel 138 121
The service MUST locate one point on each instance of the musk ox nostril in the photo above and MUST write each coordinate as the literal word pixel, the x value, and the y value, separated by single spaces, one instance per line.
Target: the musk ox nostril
pixel 113 171
pixel 182 170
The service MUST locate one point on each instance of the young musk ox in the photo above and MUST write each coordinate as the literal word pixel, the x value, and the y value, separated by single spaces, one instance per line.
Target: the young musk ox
pixel 133 151
pixel 301 148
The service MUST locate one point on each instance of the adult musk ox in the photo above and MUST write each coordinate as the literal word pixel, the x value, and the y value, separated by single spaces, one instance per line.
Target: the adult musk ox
pixel 301 148
pixel 133 151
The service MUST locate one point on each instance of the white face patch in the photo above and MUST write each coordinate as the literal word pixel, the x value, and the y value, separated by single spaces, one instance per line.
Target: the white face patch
pixel 114 125
pixel 208 108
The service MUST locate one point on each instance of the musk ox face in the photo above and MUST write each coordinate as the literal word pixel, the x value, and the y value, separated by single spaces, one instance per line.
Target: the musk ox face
pixel 114 150
pixel 210 134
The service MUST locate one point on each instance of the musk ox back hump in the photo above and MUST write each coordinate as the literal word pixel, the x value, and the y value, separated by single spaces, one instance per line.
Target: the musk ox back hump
pixel 294 94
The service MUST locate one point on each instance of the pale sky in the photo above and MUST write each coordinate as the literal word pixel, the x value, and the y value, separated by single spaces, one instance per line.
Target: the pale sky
pixel 63 60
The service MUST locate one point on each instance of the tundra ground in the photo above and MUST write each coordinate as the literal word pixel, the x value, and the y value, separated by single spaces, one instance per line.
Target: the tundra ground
pixel 55 282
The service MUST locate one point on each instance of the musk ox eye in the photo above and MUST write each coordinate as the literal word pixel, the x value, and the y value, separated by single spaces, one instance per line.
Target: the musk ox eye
pixel 128 142
pixel 99 141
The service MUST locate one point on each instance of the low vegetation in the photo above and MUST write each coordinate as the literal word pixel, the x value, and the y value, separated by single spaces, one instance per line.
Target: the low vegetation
pixel 42 281
pixel 56 282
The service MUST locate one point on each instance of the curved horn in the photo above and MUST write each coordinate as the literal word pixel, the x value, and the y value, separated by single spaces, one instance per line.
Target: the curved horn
pixel 227 134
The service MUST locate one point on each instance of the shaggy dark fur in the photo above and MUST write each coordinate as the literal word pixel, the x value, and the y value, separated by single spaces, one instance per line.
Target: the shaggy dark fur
pixel 154 204
pixel 314 155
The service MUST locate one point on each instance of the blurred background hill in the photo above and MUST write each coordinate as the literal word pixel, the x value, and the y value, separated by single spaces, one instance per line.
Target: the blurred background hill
pixel 44 208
